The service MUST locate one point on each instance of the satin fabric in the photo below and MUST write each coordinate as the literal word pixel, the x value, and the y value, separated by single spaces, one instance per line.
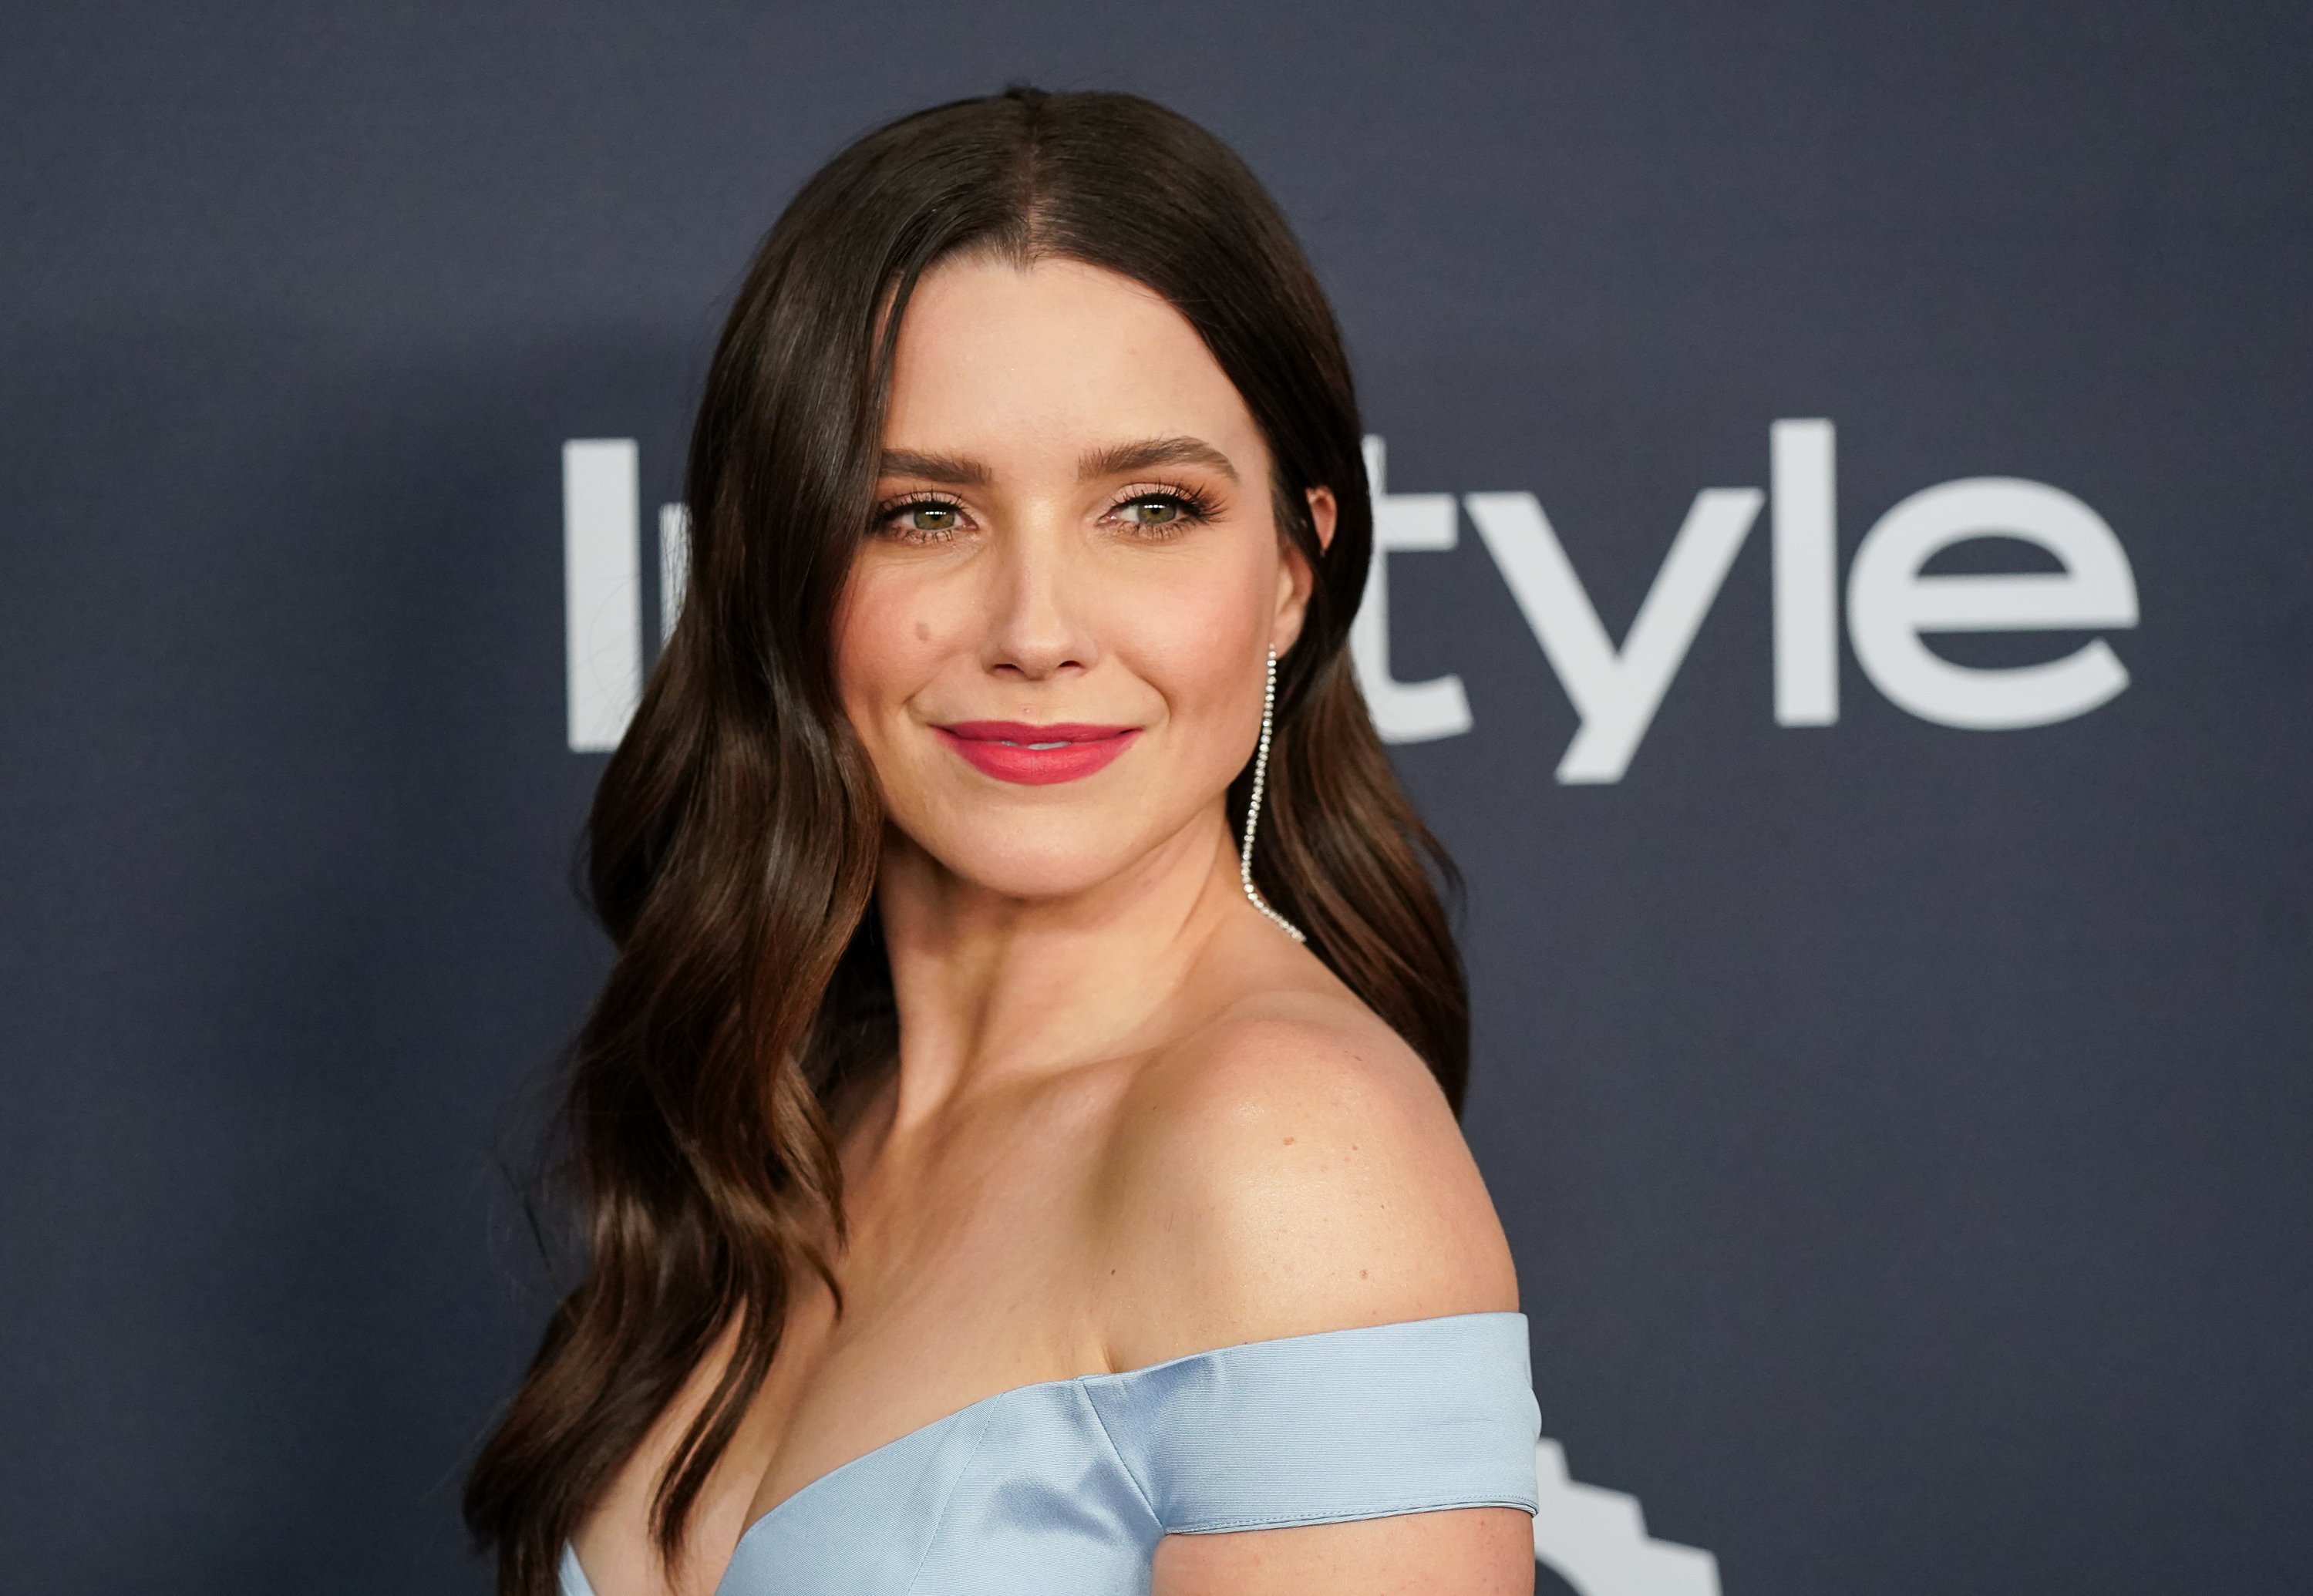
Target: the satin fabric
pixel 1064 1488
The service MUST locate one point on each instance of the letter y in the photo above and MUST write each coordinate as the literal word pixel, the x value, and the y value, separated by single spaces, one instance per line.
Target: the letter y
pixel 1615 693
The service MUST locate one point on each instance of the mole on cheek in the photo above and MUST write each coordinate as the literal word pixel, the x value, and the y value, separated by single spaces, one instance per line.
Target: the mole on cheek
pixel 923 631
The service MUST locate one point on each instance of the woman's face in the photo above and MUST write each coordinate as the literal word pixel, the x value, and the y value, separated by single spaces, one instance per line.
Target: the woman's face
pixel 1054 636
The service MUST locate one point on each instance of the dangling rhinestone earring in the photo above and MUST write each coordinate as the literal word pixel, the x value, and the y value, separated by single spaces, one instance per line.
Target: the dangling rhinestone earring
pixel 1253 808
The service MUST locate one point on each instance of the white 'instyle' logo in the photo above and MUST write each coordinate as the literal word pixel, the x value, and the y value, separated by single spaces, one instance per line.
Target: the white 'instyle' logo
pixel 1598 1539
pixel 1891 602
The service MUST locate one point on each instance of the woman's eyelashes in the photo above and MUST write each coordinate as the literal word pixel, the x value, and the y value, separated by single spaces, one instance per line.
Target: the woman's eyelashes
pixel 921 518
pixel 1163 511
pixel 1152 513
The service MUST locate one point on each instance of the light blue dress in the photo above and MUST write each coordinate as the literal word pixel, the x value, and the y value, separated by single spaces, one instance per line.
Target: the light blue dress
pixel 1064 1488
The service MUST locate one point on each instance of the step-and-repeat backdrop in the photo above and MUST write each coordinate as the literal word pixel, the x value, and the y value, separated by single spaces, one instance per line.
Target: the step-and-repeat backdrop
pixel 1845 593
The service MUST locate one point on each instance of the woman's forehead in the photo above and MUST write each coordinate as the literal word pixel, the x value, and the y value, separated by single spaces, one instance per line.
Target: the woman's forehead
pixel 1056 358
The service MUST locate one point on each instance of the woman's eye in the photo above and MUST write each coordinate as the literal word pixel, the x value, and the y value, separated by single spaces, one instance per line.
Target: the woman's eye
pixel 925 518
pixel 1155 510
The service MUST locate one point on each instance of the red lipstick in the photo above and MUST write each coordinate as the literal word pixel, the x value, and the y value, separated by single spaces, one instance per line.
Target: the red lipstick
pixel 1036 755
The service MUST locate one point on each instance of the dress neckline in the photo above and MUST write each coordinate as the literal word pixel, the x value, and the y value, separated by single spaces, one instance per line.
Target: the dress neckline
pixel 1098 1376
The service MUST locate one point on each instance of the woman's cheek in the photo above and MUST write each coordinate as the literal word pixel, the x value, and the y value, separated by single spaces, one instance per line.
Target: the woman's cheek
pixel 1193 645
pixel 880 655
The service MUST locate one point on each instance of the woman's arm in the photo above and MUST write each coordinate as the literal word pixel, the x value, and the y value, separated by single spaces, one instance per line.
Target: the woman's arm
pixel 1282 1177
pixel 1469 1551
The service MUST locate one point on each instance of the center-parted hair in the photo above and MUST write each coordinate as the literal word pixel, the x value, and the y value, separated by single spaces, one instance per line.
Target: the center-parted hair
pixel 731 853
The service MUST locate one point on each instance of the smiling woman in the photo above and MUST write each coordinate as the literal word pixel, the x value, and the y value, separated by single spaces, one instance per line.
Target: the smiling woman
pixel 1006 1166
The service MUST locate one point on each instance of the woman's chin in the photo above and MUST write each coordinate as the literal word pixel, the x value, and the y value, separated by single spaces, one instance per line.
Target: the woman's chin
pixel 1039 867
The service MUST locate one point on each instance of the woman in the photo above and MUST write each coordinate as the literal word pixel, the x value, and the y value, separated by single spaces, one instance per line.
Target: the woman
pixel 990 1186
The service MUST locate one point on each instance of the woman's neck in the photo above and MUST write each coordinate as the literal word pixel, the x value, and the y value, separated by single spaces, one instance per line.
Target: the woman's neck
pixel 993 987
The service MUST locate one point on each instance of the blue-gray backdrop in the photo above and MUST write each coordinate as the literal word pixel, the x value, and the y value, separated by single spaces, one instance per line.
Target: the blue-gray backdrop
pixel 1903 1122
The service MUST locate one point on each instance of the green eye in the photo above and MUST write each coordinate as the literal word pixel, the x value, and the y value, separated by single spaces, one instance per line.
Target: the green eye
pixel 931 516
pixel 1153 511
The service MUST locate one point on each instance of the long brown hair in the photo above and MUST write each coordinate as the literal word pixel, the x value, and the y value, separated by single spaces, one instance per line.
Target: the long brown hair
pixel 732 849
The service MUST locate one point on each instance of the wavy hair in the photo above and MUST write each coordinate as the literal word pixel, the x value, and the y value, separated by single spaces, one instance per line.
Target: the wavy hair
pixel 731 852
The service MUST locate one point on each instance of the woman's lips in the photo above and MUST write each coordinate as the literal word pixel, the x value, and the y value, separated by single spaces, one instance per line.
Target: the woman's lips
pixel 1036 755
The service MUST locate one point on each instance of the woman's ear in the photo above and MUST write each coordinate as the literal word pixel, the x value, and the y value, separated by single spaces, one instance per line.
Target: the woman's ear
pixel 1294 577
pixel 1322 512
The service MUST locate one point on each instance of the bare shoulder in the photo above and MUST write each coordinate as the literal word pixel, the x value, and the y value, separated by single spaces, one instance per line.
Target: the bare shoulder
pixel 1291 1167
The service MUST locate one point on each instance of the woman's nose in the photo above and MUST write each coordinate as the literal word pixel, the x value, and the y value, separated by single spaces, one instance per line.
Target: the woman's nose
pixel 1035 619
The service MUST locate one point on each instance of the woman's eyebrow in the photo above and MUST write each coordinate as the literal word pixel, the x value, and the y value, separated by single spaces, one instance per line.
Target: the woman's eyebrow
pixel 1122 459
pixel 954 469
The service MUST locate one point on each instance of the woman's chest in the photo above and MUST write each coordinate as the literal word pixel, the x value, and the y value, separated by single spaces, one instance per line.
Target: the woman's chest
pixel 938 1312
pixel 962 1275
